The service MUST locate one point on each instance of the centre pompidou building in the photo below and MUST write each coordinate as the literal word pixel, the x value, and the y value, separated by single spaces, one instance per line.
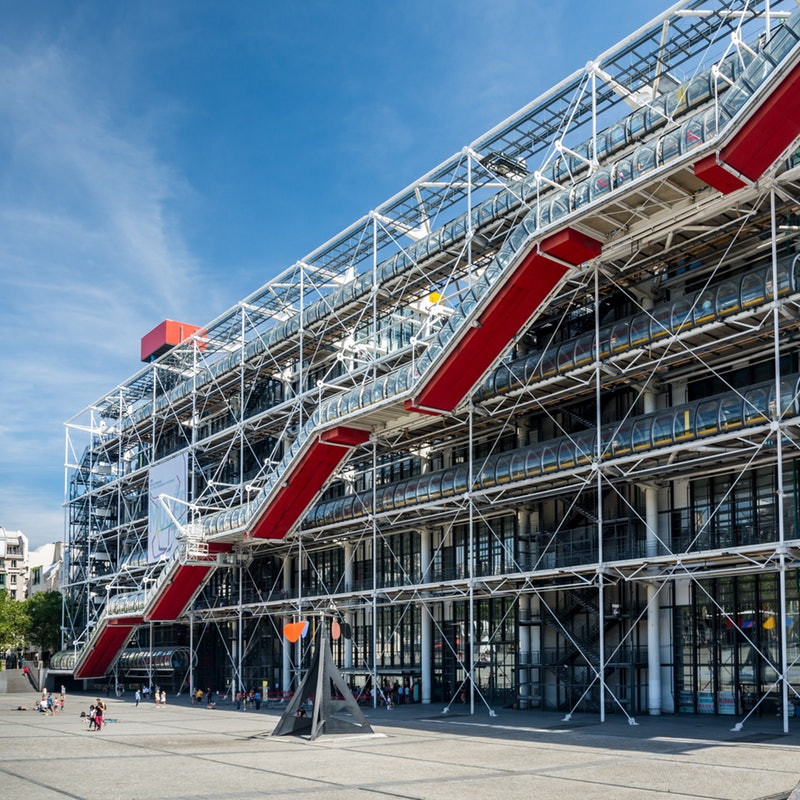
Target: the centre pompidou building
pixel 528 431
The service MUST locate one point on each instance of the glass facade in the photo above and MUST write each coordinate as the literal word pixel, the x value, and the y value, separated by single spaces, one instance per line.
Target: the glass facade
pixel 728 642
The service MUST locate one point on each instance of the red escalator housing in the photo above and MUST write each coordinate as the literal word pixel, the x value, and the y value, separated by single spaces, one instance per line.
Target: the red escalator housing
pixel 524 290
pixel 112 638
pixel 307 477
pixel 772 127
pixel 182 585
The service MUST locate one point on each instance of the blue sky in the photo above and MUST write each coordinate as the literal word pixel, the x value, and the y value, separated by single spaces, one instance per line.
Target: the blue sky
pixel 164 159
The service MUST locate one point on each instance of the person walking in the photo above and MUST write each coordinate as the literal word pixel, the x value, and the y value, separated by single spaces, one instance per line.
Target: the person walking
pixel 137 696
pixel 99 714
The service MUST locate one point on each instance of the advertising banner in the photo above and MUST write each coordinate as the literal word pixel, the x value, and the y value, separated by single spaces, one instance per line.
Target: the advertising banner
pixel 166 505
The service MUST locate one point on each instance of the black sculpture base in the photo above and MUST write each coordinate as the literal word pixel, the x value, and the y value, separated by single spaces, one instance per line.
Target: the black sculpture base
pixel 329 713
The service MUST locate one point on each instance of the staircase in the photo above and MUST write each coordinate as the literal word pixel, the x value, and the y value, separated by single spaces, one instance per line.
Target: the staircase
pixel 13 681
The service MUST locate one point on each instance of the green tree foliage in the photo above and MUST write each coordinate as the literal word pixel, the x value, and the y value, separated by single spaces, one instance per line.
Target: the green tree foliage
pixel 14 622
pixel 44 612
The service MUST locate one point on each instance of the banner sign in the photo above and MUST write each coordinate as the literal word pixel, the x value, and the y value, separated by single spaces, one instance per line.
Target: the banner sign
pixel 167 505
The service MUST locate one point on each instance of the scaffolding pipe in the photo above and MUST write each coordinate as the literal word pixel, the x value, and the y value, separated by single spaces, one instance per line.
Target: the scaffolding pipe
pixel 286 649
pixel 599 485
pixel 426 622
pixel 374 578
pixel 653 608
pixel 191 656
pixel 239 616
pixel 471 567
pixel 778 426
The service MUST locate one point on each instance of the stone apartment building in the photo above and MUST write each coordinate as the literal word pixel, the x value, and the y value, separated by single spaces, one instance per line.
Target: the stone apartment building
pixel 14 563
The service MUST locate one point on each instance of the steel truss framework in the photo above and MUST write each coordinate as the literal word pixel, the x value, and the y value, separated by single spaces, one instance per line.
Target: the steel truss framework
pixel 399 356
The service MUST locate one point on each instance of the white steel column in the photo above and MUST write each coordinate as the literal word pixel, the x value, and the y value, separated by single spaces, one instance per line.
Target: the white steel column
pixel 191 655
pixel 524 650
pixel 599 484
pixel 778 430
pixel 150 661
pixel 349 551
pixel 234 659
pixel 374 576
pixel 286 651
pixel 298 648
pixel 239 683
pixel 471 559
pixel 426 622
pixel 653 601
pixel 653 607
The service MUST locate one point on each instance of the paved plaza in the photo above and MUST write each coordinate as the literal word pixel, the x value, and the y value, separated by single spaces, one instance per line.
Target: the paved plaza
pixel 192 753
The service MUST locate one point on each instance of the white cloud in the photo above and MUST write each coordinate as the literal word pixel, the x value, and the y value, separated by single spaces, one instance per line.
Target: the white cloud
pixel 90 259
pixel 34 513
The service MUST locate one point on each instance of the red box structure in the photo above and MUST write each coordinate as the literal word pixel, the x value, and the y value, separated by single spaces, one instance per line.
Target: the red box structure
pixel 164 337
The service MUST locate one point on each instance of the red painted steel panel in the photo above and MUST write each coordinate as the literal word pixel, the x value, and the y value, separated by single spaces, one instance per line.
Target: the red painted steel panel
pixel 110 641
pixel 345 435
pixel 769 131
pixel 175 596
pixel 773 126
pixel 571 245
pixel 299 489
pixel 178 591
pixel 523 292
pixel 508 311
pixel 710 171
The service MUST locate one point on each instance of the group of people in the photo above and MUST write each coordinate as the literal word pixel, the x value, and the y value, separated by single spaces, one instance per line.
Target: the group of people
pixel 96 715
pixel 250 699
pixel 160 698
pixel 197 697
pixel 50 703
pixel 391 694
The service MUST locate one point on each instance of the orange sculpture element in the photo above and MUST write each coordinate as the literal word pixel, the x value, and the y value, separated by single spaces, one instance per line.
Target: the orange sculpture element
pixel 336 629
pixel 294 630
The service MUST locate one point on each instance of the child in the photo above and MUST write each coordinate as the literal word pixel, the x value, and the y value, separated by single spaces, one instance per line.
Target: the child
pixel 99 712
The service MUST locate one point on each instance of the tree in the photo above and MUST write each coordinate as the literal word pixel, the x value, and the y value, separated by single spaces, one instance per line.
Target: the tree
pixel 44 612
pixel 14 622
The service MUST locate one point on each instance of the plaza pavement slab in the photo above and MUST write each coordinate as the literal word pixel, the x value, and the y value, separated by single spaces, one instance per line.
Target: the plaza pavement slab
pixel 189 752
